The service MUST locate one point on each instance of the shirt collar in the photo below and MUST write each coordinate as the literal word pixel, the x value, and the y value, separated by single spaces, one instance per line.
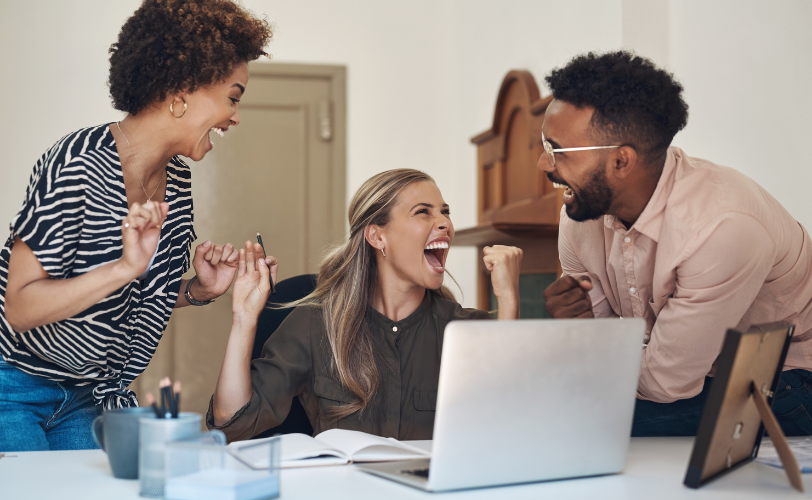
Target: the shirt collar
pixel 650 222
pixel 407 322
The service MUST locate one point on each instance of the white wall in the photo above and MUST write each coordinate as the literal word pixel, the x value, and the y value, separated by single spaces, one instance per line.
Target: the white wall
pixel 747 66
pixel 492 39
pixel 423 77
pixel 53 80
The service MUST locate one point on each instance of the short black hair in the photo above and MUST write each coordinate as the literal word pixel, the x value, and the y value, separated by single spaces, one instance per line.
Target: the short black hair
pixel 170 46
pixel 635 102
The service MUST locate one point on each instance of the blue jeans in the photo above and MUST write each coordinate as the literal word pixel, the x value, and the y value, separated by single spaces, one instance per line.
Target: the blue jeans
pixel 792 407
pixel 38 414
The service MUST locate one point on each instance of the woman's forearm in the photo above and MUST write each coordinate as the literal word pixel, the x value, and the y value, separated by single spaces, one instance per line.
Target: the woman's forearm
pixel 196 292
pixel 233 390
pixel 505 264
pixel 34 299
pixel 507 307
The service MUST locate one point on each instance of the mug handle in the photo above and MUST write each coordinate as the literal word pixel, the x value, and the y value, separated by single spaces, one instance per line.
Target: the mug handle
pixel 97 429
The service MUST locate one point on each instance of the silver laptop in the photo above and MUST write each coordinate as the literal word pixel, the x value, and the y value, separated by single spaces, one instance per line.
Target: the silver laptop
pixel 529 400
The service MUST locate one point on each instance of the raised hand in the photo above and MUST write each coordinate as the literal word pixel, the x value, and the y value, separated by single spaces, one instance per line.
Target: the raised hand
pixel 504 264
pixel 140 233
pixel 252 286
pixel 567 297
pixel 215 266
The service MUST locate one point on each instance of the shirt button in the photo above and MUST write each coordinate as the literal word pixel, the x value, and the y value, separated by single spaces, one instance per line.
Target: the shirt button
pixel 632 290
pixel 394 328
pixel 627 239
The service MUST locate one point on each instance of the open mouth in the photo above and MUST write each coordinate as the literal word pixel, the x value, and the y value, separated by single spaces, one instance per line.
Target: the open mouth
pixel 219 131
pixel 435 255
pixel 568 194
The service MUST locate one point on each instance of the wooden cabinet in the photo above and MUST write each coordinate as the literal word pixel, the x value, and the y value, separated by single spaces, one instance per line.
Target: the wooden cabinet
pixel 518 205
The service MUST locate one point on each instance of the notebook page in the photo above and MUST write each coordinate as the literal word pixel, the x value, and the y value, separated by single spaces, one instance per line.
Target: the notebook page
pixel 298 450
pixel 363 447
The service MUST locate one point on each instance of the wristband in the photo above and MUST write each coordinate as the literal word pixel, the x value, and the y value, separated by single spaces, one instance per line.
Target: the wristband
pixel 189 297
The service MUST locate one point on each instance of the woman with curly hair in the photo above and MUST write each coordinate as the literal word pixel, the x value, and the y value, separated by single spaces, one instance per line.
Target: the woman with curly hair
pixel 92 268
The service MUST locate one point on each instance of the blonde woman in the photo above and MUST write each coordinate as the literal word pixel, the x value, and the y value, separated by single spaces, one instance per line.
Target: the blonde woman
pixel 361 352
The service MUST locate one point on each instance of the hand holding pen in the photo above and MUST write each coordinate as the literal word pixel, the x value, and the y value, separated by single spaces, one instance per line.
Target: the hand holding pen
pixel 249 294
pixel 265 255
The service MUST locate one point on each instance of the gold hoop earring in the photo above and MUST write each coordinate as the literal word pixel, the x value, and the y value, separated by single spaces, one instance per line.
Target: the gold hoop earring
pixel 384 253
pixel 172 110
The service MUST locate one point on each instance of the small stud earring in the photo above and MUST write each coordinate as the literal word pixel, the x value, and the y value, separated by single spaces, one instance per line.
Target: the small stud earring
pixel 384 253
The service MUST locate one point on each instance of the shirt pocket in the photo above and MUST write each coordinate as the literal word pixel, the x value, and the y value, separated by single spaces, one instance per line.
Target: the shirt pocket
pixel 328 389
pixel 332 395
pixel 425 404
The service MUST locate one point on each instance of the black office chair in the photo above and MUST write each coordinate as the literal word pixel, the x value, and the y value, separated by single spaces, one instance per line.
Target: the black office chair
pixel 286 291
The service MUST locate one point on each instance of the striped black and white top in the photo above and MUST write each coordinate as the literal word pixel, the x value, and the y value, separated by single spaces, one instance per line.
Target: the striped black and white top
pixel 71 220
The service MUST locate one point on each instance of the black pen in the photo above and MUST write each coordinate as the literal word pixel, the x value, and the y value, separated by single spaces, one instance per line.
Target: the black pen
pixel 176 410
pixel 259 240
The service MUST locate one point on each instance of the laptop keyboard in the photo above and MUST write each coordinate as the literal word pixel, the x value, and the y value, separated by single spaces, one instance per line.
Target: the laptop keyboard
pixel 417 472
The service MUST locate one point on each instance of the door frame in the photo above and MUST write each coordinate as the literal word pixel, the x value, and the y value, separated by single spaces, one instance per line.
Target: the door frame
pixel 337 74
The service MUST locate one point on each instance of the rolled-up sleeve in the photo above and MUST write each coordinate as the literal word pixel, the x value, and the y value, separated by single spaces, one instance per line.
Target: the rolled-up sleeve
pixel 280 374
pixel 572 266
pixel 723 270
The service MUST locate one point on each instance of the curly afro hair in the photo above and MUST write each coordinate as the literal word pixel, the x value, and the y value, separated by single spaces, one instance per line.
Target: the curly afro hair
pixel 170 46
pixel 635 103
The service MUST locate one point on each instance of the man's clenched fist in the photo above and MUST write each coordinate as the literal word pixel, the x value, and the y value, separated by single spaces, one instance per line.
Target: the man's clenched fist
pixel 569 298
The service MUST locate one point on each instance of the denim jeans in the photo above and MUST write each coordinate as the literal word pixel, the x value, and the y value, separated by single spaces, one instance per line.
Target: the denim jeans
pixel 792 407
pixel 38 414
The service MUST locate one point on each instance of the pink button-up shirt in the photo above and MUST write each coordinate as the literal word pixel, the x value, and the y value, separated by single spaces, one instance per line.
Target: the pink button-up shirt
pixel 712 250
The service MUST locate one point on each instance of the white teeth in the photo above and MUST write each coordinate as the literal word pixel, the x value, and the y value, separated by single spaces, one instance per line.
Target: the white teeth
pixel 219 131
pixel 437 244
pixel 558 186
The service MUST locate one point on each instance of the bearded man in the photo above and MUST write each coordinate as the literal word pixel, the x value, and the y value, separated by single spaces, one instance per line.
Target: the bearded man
pixel 647 231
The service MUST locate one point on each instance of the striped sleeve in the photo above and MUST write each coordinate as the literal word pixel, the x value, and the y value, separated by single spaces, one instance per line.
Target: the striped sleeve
pixel 52 217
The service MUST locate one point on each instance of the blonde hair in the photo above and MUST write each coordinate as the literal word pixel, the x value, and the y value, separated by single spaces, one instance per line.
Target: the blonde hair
pixel 346 283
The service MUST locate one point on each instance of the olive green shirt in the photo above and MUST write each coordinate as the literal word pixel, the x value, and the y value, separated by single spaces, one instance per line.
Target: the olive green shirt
pixel 296 361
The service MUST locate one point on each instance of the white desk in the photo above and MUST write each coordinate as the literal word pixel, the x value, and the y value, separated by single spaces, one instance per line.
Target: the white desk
pixel 654 471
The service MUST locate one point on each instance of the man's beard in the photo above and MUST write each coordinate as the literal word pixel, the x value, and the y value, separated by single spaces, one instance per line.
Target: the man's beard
pixel 593 200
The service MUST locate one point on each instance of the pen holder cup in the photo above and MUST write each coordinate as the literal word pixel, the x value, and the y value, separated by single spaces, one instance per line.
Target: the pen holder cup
pixel 154 434
pixel 203 467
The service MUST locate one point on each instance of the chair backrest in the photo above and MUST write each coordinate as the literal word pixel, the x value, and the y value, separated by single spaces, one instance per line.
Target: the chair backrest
pixel 286 291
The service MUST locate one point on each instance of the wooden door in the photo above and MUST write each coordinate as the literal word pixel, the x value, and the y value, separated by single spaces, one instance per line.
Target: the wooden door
pixel 280 172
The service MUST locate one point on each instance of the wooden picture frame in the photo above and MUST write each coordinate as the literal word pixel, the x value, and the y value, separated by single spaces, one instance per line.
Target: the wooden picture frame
pixel 737 410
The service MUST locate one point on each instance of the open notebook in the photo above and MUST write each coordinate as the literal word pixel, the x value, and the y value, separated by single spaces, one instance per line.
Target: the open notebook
pixel 332 447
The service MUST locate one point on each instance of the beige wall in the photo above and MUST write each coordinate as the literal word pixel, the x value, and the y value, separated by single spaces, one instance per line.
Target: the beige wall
pixel 423 76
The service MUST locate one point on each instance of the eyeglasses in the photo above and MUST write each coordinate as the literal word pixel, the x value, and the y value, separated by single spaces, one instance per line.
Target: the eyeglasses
pixel 548 148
